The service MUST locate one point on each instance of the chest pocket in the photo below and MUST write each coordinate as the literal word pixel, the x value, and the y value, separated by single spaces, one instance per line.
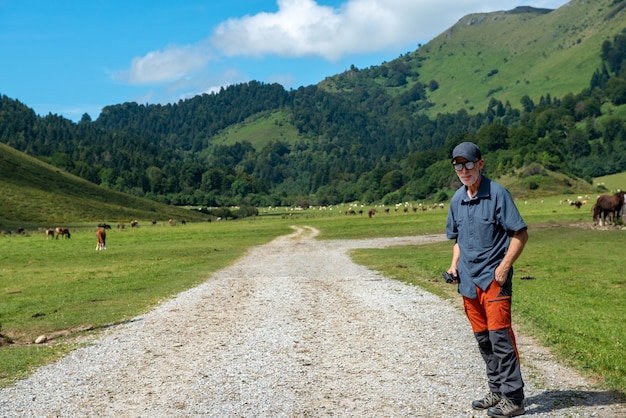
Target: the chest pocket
pixel 485 232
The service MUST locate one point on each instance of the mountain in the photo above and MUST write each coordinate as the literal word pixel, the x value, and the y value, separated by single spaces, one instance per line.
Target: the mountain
pixel 540 91
pixel 505 55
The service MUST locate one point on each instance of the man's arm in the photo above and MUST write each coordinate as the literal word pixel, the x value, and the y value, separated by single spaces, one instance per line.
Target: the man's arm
pixel 516 246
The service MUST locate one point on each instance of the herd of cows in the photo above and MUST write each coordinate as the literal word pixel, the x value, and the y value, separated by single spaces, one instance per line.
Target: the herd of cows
pixel 101 234
pixel 606 210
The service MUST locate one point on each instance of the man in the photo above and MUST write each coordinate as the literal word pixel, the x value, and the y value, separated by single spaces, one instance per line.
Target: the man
pixel 489 236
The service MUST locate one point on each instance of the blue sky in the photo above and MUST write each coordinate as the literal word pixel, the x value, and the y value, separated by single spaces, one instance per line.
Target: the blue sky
pixel 70 57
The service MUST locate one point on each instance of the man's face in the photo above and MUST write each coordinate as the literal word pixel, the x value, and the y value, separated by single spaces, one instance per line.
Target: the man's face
pixel 468 176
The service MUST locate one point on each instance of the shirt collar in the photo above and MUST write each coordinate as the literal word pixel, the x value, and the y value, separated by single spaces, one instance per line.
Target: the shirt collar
pixel 483 191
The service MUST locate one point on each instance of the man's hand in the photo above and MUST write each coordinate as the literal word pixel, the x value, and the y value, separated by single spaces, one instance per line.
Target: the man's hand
pixel 516 246
pixel 502 273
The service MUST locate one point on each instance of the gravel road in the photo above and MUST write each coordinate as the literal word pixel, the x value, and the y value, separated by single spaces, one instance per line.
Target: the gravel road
pixel 295 329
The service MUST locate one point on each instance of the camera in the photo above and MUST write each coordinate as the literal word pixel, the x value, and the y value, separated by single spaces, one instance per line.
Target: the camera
pixel 449 278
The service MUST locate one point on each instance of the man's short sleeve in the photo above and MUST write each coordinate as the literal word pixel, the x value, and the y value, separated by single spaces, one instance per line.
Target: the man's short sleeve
pixel 509 216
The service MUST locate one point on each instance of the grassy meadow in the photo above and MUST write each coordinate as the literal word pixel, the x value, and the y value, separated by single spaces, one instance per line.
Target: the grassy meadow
pixel 574 303
pixel 64 286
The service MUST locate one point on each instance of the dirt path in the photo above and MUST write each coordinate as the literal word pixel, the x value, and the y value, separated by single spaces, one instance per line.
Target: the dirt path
pixel 294 329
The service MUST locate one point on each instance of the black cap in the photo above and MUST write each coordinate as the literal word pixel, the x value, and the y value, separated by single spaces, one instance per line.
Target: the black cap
pixel 467 150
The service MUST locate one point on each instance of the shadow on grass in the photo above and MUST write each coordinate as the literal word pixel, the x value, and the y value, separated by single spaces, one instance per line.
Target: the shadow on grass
pixel 553 400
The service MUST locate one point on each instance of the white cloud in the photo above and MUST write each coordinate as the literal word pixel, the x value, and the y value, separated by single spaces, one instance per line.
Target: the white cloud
pixel 302 28
pixel 305 28
pixel 171 64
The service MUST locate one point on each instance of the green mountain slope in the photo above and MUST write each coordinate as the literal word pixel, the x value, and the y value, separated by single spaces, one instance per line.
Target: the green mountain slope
pixel 35 193
pixel 506 55
pixel 259 130
pixel 501 55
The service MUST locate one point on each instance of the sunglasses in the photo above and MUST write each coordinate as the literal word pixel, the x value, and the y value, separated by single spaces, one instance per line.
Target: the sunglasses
pixel 468 165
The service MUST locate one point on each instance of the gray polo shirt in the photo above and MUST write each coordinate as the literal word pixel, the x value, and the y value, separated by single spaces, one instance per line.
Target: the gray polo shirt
pixel 482 226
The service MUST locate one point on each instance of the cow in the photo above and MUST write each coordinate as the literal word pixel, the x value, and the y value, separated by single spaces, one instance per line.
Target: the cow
pixel 105 226
pixel 49 234
pixel 61 231
pixel 371 213
pixel 134 223
pixel 101 236
pixel 610 206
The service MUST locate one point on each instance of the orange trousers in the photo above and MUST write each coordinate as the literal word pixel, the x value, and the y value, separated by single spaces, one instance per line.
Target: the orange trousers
pixel 490 317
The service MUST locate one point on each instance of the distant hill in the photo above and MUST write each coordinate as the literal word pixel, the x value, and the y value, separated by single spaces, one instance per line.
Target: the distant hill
pixel 505 55
pixel 35 193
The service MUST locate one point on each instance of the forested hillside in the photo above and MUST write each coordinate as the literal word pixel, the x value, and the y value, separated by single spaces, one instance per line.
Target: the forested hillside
pixel 368 135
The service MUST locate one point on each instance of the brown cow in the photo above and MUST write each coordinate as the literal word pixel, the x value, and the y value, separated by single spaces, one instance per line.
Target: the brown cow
pixel 49 234
pixel 101 236
pixel 61 231
pixel 610 206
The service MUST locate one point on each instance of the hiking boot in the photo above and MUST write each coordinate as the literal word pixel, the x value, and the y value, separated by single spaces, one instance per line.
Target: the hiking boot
pixel 491 399
pixel 506 408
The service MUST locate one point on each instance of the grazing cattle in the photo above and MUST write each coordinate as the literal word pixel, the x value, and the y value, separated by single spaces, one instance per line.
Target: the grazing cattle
pixel 172 222
pixel 64 232
pixel 105 226
pixel 371 213
pixel 134 223
pixel 101 236
pixel 49 234
pixel 183 222
pixel 154 223
pixel 610 206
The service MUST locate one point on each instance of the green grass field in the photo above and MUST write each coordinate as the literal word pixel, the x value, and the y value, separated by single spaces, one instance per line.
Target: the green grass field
pixel 574 305
pixel 612 183
pixel 58 286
